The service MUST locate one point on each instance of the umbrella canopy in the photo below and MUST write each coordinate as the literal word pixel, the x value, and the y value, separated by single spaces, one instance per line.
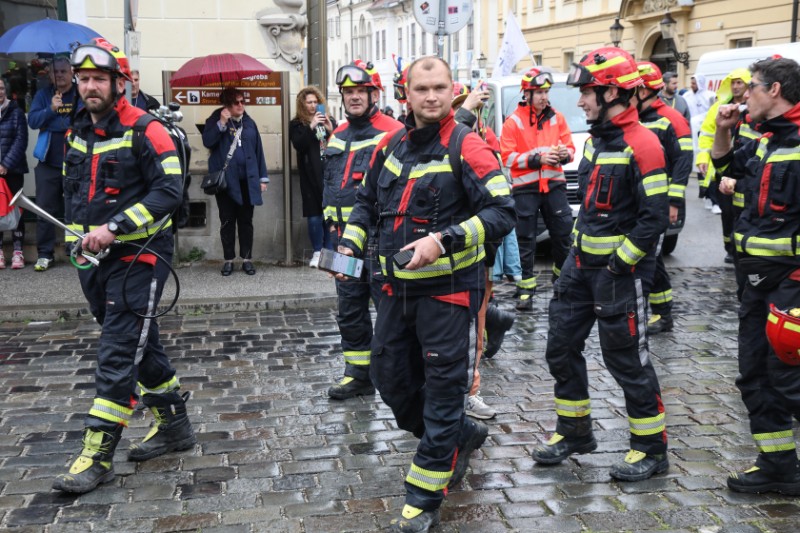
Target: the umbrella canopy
pixel 46 36
pixel 217 70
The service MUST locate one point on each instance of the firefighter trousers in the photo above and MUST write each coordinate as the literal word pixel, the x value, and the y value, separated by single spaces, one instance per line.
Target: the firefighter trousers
pixel 557 215
pixel 582 296
pixel 770 388
pixel 129 348
pixel 423 357
pixel 660 297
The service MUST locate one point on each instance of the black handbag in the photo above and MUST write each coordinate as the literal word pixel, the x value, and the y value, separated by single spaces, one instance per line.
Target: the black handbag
pixel 215 183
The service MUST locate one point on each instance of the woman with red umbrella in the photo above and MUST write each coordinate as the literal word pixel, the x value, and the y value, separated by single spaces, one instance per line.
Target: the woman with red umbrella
pixel 230 130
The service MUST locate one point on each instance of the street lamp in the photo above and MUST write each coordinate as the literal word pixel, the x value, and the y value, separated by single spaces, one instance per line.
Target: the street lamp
pixel 616 30
pixel 482 61
pixel 668 25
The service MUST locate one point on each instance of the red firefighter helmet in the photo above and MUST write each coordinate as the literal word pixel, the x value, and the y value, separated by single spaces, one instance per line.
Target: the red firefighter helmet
pixel 606 66
pixel 783 333
pixel 651 75
pixel 460 93
pixel 536 79
pixel 400 85
pixel 359 74
pixel 102 55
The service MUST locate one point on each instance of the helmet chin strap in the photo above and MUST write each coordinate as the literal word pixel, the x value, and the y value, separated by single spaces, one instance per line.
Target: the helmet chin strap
pixel 599 92
pixel 640 101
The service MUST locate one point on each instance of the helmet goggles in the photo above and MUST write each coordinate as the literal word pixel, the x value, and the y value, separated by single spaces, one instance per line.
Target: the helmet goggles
pixel 91 56
pixel 579 76
pixel 356 75
pixel 543 80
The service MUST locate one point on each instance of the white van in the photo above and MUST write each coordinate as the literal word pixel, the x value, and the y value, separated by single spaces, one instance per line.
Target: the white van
pixel 718 64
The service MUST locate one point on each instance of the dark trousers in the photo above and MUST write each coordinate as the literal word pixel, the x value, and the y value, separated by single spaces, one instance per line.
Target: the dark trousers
pixel 231 216
pixel 728 217
pixel 122 341
pixel 50 197
pixel 616 302
pixel 423 356
pixel 15 182
pixel 557 215
pixel 660 297
pixel 770 388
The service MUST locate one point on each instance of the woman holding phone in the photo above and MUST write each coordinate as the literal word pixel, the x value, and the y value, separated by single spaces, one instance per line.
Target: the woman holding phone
pixel 309 131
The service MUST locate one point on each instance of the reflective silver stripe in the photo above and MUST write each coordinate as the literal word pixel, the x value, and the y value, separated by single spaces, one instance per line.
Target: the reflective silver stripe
pixel 517 121
pixel 530 177
pixel 644 353
pixel 151 307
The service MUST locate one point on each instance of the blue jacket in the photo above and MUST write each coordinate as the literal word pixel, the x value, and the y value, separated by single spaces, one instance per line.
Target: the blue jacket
pixel 41 117
pixel 13 138
pixel 248 162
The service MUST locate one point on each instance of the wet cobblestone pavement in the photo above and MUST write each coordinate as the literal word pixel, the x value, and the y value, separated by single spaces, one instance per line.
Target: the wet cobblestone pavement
pixel 275 455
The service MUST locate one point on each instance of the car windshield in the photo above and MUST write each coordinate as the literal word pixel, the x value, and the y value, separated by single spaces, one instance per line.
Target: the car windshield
pixel 563 99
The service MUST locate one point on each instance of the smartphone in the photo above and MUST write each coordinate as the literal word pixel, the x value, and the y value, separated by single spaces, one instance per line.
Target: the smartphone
pixel 403 258
pixel 321 108
pixel 337 263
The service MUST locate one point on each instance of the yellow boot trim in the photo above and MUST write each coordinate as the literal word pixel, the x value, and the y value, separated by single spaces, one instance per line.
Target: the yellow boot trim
pixel 654 319
pixel 634 456
pixel 346 380
pixel 555 439
pixel 410 512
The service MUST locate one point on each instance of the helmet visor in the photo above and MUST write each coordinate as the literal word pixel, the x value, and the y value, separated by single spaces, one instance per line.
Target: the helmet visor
pixel 97 58
pixel 579 76
pixel 543 79
pixel 356 75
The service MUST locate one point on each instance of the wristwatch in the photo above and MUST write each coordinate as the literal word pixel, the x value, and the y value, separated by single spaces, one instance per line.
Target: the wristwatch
pixel 113 227
pixel 448 238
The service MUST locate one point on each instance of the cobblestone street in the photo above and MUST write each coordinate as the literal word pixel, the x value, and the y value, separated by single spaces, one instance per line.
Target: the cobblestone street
pixel 275 455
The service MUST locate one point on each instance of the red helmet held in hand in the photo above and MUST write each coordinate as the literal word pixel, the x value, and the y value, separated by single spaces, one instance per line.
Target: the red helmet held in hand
pixel 783 333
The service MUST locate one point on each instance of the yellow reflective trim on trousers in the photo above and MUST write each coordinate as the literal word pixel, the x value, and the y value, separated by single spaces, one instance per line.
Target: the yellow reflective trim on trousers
pixel 761 246
pixel 573 408
pixel 355 234
pixel 647 426
pixel 655 184
pixel 630 253
pixel 357 357
pixel 676 190
pixel 474 233
pixel 527 284
pixel 168 386
pixel 440 267
pixel 139 215
pixel 110 411
pixel 600 245
pixel 430 480
pixel 498 186
pixel 660 297
pixel 778 441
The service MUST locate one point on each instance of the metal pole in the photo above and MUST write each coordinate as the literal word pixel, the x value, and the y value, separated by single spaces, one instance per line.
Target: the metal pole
pixel 794 20
pixel 440 33
pixel 286 113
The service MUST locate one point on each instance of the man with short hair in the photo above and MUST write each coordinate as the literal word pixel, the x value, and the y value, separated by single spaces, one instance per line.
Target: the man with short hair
pixel 669 95
pixel 139 98
pixel 122 197
pixel 765 237
pixel 51 113
pixel 424 346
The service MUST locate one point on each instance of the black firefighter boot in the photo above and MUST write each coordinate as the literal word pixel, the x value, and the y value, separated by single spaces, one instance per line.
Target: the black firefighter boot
pixel 171 430
pixel 94 464
pixel 559 447
pixel 498 322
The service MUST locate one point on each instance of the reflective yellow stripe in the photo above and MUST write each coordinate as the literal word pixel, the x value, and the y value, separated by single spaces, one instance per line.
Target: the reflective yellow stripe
pixel 610 63
pixel 498 186
pixel 588 150
pixel 431 167
pixel 171 165
pixel 655 184
pixel 600 245
pixel 139 215
pixel 358 358
pixel 660 297
pixel 647 426
pixel 628 77
pixel 784 154
pixel 778 441
pixel 686 144
pixel 738 199
pixel 764 247
pixel 168 386
pixel 430 480
pixel 126 141
pixel 474 233
pixel 330 213
pixel 393 165
pixel 676 190
pixel 630 253
pixel 440 267
pixel 527 284
pixel 140 233
pixel 110 411
pixel 573 408
pixel 357 235
pixel 661 124
pixel 336 143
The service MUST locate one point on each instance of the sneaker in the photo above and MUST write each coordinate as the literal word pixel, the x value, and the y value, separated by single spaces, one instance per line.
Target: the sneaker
pixel 314 263
pixel 477 408
pixel 707 203
pixel 17 261
pixel 560 447
pixel 473 435
pixel 350 388
pixel 42 264
pixel 2 261
pixel 717 210
pixel 659 323
pixel 414 520
pixel 756 481
pixel 638 466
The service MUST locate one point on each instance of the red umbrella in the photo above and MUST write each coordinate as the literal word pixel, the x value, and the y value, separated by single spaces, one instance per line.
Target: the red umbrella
pixel 218 70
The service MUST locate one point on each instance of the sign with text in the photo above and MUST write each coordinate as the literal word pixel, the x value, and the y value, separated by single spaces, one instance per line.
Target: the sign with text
pixel 263 89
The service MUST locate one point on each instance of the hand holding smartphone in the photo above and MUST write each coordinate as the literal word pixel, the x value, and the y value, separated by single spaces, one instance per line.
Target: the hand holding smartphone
pixel 337 263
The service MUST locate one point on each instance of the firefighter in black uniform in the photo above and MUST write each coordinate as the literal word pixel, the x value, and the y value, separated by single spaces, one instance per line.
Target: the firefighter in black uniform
pixel 424 346
pixel 673 132
pixel 624 210
pixel 347 158
pixel 119 197
pixel 766 239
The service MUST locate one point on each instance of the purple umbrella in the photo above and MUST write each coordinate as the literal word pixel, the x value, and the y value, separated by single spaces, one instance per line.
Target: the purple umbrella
pixel 46 36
